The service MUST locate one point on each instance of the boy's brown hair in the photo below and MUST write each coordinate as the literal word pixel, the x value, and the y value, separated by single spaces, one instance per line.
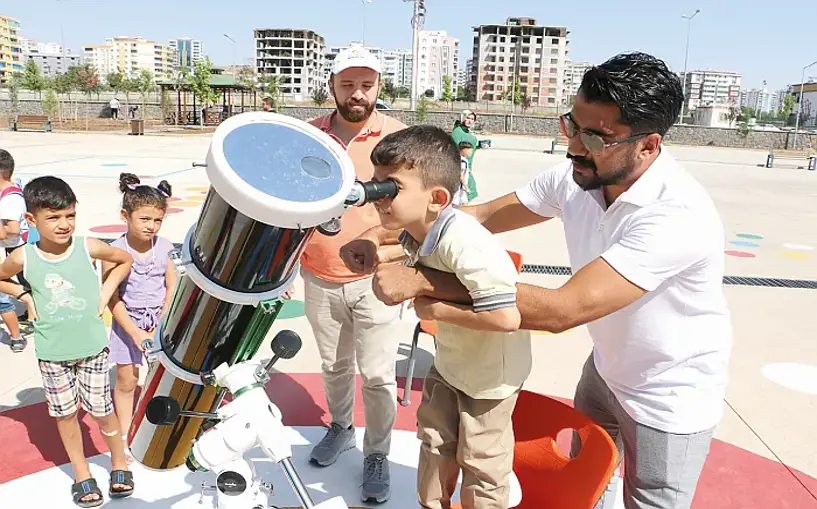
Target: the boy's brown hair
pixel 426 148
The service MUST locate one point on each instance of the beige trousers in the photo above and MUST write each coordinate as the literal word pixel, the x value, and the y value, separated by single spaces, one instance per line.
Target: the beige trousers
pixel 350 323
pixel 460 432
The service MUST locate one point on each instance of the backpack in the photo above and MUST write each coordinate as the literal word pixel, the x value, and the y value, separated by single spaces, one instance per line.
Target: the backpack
pixel 18 191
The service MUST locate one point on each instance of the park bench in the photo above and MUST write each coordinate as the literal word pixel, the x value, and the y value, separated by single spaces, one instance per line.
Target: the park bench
pixel 31 123
pixel 809 159
pixel 558 140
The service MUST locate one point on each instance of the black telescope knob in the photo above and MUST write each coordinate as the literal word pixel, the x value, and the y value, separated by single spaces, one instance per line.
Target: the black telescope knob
pixel 162 410
pixel 286 344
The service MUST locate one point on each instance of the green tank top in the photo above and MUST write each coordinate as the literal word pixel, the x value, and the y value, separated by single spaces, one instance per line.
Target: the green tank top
pixel 66 295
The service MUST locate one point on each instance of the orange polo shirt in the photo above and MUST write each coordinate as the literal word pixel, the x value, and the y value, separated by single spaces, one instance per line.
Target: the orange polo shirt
pixel 321 258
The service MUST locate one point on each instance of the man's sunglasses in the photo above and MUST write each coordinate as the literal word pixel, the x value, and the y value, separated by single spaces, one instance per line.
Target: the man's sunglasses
pixel 592 142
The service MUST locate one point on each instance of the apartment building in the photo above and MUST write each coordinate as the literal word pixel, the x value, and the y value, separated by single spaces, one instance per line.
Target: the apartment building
pixel 574 72
pixel 711 88
pixel 129 55
pixel 11 51
pixel 188 51
pixel 295 55
pixel 520 49
pixel 439 56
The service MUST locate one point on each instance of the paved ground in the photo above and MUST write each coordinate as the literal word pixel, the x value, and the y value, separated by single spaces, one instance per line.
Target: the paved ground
pixel 765 455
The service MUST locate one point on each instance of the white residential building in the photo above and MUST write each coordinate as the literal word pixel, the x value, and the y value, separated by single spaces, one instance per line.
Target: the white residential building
pixel 439 56
pixel 463 76
pixel 397 67
pixel 295 55
pixel 50 57
pixel 43 48
pixel 574 72
pixel 520 49
pixel 762 99
pixel 808 102
pixel 188 51
pixel 129 55
pixel 712 88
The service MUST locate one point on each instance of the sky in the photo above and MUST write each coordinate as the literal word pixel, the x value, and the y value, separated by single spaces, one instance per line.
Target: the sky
pixel 758 40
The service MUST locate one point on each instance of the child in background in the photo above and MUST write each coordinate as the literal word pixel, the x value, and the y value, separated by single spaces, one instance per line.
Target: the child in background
pixel 482 359
pixel 13 232
pixel 70 341
pixel 144 296
pixel 461 196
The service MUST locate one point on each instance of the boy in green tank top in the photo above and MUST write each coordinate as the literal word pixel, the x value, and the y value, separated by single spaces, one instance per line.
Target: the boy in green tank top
pixel 66 302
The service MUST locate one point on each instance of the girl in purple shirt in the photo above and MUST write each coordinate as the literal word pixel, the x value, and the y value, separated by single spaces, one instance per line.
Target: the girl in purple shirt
pixel 145 293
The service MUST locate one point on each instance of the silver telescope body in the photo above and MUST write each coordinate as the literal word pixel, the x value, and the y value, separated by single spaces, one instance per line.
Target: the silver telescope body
pixel 274 181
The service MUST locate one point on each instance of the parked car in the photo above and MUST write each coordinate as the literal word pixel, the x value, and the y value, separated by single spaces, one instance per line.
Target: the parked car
pixel 382 105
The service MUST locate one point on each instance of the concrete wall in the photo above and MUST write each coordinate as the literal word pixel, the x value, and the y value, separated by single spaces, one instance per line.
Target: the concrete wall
pixel 95 109
pixel 679 134
pixel 488 123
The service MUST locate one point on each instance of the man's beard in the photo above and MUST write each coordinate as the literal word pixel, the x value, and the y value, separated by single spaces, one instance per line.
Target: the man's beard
pixel 355 115
pixel 595 181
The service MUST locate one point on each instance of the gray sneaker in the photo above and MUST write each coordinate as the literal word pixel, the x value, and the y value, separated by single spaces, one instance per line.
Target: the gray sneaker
pixel 336 440
pixel 376 479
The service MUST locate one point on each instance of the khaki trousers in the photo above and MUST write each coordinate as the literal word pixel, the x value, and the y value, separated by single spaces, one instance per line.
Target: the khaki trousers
pixel 350 323
pixel 459 432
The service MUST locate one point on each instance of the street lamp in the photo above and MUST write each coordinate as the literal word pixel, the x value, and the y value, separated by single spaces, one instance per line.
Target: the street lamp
pixel 417 22
pixel 233 41
pixel 686 59
pixel 800 107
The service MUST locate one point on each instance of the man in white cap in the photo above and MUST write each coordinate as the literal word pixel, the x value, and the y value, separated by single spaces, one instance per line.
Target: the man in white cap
pixel 348 321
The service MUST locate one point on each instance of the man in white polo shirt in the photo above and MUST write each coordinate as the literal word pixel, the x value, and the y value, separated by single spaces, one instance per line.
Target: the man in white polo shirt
pixel 646 248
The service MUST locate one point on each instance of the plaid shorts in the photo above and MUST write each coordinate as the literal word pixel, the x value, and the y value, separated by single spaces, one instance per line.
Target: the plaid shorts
pixel 67 383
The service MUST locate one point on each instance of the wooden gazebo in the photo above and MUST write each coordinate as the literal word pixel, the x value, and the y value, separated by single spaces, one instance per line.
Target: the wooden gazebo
pixel 189 110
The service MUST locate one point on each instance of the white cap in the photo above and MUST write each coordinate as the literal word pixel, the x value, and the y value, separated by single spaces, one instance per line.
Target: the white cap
pixel 355 56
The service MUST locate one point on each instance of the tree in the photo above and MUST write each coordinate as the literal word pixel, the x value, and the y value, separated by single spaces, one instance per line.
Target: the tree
pixel 319 95
pixel 32 79
pixel 271 86
pixel 246 77
pixel 515 93
pixel 88 82
pixel 115 80
pixel 51 104
pixel 733 114
pixel 403 92
pixel 525 102
pixel 200 84
pixel 144 85
pixel 389 90
pixel 788 105
pixel 804 112
pixel 14 94
pixel 422 109
pixel 429 93
pixel 448 92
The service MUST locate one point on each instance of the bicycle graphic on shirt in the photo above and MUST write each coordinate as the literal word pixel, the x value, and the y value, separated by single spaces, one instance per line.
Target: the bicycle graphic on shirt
pixel 62 295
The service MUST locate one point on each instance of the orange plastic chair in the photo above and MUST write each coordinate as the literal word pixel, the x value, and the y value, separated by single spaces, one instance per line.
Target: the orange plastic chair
pixel 548 478
pixel 430 327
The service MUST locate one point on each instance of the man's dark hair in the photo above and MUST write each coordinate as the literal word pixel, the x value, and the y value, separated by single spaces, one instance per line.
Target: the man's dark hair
pixel 426 148
pixel 465 144
pixel 646 92
pixel 6 163
pixel 48 193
